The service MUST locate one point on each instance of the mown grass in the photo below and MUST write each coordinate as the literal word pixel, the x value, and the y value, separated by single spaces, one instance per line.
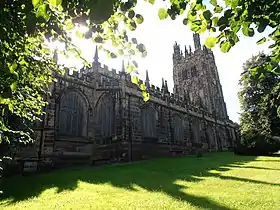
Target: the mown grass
pixel 215 181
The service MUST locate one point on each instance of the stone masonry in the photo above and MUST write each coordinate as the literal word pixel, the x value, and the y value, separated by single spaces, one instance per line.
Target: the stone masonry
pixel 98 114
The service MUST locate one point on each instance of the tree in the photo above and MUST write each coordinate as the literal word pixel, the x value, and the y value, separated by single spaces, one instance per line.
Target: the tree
pixel 27 64
pixel 229 19
pixel 27 26
pixel 259 99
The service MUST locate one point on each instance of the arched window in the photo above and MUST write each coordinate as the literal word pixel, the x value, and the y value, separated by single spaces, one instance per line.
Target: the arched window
pixel 194 131
pixel 193 71
pixel 72 115
pixel 148 122
pixel 106 117
pixel 177 129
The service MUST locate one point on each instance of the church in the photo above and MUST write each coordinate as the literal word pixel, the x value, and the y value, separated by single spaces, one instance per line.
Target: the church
pixel 99 114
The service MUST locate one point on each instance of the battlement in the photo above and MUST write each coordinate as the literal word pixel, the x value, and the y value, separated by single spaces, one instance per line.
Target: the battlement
pixel 99 76
pixel 164 95
pixel 188 53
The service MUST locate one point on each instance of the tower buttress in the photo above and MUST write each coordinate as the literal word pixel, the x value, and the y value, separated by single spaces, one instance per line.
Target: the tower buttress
pixel 96 58
pixel 186 51
pixel 196 40
pixel 147 81
pixel 166 87
pixel 123 69
pixel 176 52
pixel 162 85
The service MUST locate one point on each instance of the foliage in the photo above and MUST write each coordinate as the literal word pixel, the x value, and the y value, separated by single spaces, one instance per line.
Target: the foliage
pixel 257 144
pixel 27 26
pixel 229 18
pixel 27 64
pixel 26 72
pixel 259 99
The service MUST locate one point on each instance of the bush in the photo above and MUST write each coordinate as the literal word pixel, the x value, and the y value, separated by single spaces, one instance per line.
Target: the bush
pixel 258 144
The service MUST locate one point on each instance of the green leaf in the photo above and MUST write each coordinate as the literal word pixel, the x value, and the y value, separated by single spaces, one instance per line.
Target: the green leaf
pixel 236 28
pixel 132 25
pixel 212 29
pixel 162 14
pixel 207 15
pixel 134 40
pixel 143 87
pixel 213 2
pixel 2 100
pixel 13 67
pixel 248 31
pixel 218 9
pixel 131 52
pixel 35 3
pixel 262 26
pixel 203 28
pixel 262 40
pixel 120 52
pixel 55 2
pixel 146 96
pixel 131 14
pixel 227 2
pixel 222 22
pixel 42 12
pixel 215 21
pixel 13 86
pixel 151 1
pixel 129 69
pixel 228 13
pixel 234 4
pixel 98 39
pixel 80 34
pixel 191 16
pixel 195 27
pixel 114 43
pixel 69 25
pixel 139 19
pixel 135 80
pixel 210 42
pixel 113 55
pixel 197 6
pixel 185 21
pixel 225 46
pixel 141 48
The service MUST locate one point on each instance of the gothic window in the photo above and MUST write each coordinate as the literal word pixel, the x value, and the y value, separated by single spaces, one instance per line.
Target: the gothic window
pixel 148 122
pixel 106 117
pixel 179 74
pixel 177 129
pixel 72 115
pixel 184 74
pixel 204 66
pixel 194 131
pixel 193 71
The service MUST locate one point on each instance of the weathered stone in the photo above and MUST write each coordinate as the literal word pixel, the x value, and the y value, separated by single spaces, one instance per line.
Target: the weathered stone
pixel 99 115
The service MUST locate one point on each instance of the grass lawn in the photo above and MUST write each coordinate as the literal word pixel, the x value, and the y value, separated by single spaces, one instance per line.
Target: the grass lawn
pixel 215 181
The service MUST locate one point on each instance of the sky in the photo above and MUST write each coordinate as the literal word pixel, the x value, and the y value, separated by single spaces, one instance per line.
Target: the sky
pixel 159 36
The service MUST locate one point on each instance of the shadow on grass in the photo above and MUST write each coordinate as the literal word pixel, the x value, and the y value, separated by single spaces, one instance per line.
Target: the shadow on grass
pixel 253 167
pixel 154 175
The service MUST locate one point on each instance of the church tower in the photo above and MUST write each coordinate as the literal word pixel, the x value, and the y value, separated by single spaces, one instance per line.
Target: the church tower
pixel 195 74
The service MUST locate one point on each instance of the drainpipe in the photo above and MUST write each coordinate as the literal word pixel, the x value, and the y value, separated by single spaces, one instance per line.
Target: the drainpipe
pixel 205 130
pixel 129 130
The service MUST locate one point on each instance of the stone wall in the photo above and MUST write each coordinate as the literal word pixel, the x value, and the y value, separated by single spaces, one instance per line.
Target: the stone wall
pixel 99 131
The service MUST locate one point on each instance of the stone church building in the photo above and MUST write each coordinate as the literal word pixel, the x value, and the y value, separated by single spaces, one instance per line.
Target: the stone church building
pixel 97 113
